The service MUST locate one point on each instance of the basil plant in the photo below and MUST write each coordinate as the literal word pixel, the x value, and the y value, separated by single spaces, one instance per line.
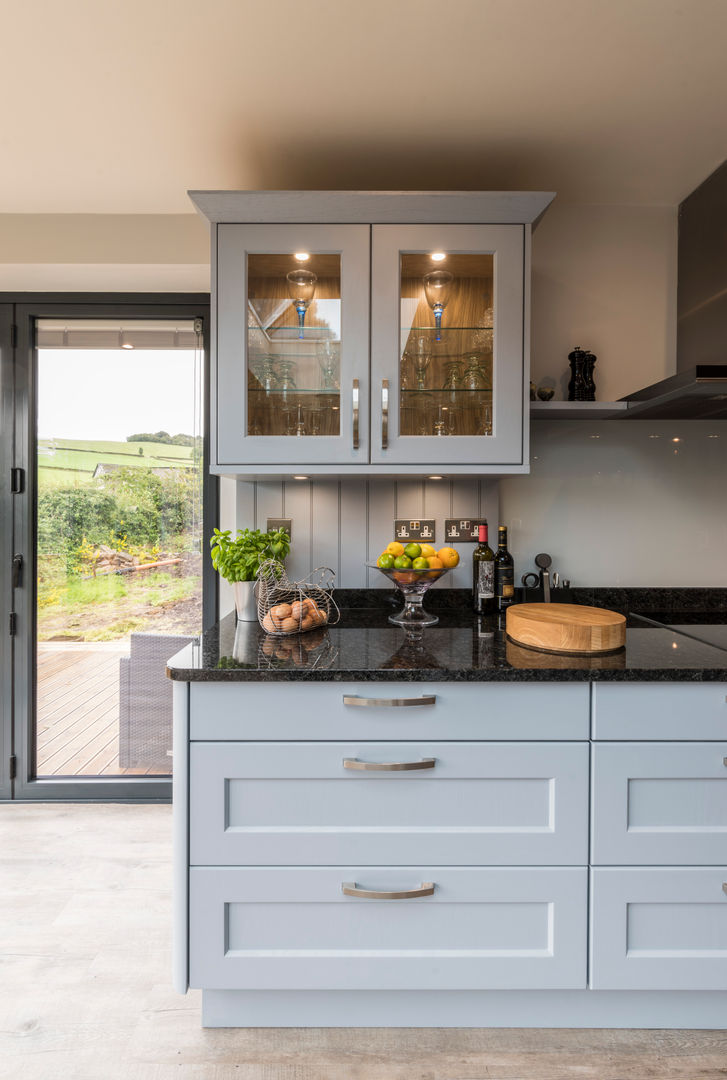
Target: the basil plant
pixel 240 559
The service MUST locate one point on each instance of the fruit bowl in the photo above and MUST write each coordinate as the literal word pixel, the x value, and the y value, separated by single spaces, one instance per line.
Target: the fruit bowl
pixel 413 584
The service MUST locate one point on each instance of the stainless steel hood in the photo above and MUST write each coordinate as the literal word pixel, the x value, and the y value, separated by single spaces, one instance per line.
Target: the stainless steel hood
pixel 699 393
pixel 699 389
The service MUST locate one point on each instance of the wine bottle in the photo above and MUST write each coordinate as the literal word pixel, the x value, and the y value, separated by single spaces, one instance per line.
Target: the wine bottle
pixel 504 572
pixel 483 575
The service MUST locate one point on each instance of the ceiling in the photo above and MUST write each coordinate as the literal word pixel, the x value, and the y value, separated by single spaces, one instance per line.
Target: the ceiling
pixel 120 107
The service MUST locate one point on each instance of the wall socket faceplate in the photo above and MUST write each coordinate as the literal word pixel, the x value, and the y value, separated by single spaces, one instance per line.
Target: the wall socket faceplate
pixel 406 529
pixel 273 524
pixel 463 530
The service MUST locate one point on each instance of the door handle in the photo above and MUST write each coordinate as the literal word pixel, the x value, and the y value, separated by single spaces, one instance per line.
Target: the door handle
pixel 355 402
pixel 388 766
pixel 350 888
pixel 384 414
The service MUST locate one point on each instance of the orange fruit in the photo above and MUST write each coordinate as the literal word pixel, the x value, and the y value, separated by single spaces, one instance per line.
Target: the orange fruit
pixel 449 556
pixel 394 548
pixel 435 563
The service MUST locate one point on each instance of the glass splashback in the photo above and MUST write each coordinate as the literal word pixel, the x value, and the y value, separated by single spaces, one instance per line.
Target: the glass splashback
pixel 294 345
pixel 445 358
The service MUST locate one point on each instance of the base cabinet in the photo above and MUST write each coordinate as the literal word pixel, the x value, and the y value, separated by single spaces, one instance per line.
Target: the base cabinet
pixel 420 858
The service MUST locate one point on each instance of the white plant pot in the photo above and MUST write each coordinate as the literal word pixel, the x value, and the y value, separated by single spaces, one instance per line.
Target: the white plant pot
pixel 245 600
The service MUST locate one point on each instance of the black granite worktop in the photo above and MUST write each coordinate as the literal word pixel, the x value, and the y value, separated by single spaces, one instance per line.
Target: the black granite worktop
pixel 364 646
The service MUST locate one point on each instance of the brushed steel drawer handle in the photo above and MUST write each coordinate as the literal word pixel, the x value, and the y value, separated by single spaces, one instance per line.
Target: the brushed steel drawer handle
pixel 397 703
pixel 384 414
pixel 388 766
pixel 724 886
pixel 350 888
pixel 355 396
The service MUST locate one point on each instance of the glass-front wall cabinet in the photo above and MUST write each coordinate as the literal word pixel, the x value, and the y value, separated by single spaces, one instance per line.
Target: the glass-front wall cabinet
pixel 424 322
pixel 447 349
pixel 293 344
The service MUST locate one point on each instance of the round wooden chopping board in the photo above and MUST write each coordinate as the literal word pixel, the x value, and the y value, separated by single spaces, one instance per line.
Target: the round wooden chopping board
pixel 566 628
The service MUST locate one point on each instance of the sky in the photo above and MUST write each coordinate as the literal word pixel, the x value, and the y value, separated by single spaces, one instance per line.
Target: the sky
pixel 112 393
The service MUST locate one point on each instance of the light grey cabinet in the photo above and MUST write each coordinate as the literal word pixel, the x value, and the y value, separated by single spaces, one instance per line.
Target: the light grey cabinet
pixel 415 303
pixel 659 825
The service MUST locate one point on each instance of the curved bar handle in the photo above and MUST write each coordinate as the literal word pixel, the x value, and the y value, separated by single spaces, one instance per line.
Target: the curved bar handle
pixel 384 414
pixel 350 888
pixel 381 702
pixel 355 395
pixel 388 766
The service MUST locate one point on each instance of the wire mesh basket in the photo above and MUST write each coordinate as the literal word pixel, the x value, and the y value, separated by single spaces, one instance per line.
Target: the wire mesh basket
pixel 291 607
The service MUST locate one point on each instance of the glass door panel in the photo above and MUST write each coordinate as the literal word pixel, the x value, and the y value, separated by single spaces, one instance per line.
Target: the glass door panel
pixel 119 558
pixel 292 352
pixel 445 360
pixel 447 352
pixel 294 345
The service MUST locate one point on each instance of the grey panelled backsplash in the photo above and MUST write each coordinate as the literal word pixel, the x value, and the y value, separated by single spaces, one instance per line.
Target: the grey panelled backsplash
pixel 345 524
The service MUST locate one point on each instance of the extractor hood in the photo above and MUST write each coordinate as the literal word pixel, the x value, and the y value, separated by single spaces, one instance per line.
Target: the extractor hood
pixel 698 391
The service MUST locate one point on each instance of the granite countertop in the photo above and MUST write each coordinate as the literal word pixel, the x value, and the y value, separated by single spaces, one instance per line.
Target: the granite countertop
pixel 364 646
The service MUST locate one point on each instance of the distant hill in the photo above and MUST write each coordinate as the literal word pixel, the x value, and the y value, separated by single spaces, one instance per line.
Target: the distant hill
pixel 68 462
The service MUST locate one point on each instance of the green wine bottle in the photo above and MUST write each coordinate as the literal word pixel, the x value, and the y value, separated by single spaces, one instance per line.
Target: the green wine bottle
pixel 504 572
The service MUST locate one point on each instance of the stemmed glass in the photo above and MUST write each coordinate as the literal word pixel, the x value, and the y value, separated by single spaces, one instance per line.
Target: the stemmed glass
pixel 301 289
pixel 328 360
pixel 421 360
pixel 437 288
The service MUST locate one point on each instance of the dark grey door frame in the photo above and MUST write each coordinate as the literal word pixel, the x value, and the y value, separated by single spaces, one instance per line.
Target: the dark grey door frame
pixel 27 308
pixel 6 549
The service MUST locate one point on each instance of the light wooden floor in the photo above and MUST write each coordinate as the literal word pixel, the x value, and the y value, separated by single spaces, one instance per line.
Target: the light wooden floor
pixel 78 709
pixel 85 994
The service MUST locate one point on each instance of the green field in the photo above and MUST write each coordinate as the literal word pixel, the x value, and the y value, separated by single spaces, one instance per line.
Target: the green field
pixel 68 462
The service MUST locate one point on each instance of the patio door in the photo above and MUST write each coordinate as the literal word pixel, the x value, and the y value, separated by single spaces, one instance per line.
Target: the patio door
pixel 108 575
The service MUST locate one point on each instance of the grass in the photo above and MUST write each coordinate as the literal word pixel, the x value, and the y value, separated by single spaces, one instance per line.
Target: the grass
pixel 73 461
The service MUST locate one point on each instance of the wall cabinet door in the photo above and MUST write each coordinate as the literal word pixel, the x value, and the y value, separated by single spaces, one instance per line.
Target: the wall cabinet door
pixel 292 344
pixel 447 357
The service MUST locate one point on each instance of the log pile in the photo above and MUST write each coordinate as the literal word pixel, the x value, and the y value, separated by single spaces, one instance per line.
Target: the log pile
pixel 108 561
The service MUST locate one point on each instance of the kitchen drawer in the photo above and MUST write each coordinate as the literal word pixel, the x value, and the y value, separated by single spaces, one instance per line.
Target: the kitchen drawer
pixel 659 803
pixel 656 929
pixel 300 710
pixel 293 928
pixel 298 803
pixel 660 711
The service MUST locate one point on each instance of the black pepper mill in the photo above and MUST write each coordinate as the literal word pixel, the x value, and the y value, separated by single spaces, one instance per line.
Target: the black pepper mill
pixel 588 365
pixel 577 385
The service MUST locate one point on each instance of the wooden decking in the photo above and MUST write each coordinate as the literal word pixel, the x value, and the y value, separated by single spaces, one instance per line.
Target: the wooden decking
pixel 78 710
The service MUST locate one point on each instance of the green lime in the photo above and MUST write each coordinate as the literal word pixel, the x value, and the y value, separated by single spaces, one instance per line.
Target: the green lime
pixel 420 564
pixel 413 551
pixel 402 562
pixel 385 561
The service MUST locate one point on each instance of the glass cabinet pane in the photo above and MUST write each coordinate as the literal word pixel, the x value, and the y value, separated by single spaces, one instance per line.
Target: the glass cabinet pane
pixel 294 345
pixel 446 348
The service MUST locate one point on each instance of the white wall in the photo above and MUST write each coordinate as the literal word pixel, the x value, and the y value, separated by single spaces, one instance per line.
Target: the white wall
pixel 604 277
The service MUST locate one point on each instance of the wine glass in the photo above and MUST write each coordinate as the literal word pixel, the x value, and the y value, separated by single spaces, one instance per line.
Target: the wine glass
pixel 437 289
pixel 421 360
pixel 301 288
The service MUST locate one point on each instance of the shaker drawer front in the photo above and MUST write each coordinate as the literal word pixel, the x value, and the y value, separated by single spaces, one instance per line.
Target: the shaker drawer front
pixel 659 803
pixel 294 928
pixel 660 711
pixel 330 803
pixel 388 710
pixel 654 929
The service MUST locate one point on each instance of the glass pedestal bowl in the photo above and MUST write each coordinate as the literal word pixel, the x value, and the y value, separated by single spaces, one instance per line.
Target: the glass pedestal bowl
pixel 413 584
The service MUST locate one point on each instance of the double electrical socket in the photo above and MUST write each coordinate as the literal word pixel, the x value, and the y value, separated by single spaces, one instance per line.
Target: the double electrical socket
pixel 463 530
pixel 417 529
pixel 273 524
